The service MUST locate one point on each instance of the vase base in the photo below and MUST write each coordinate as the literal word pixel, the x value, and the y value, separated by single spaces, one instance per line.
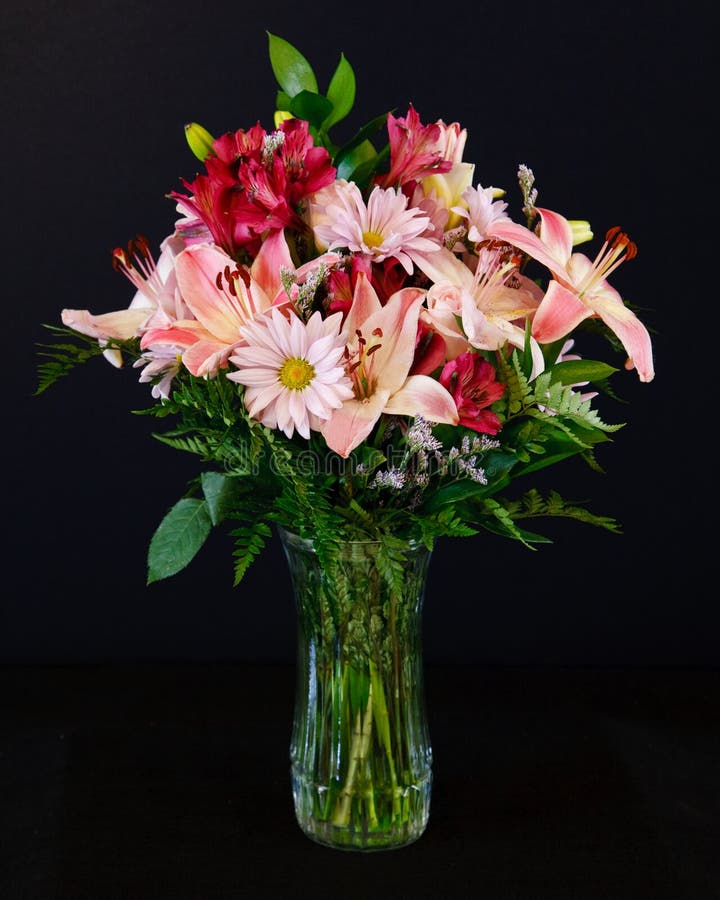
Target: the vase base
pixel 384 843
pixel 398 818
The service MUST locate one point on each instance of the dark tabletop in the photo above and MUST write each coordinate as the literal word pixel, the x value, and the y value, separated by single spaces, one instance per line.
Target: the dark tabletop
pixel 171 782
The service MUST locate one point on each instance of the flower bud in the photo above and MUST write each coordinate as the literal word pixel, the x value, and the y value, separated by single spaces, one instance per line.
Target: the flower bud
pixel 580 230
pixel 282 115
pixel 199 140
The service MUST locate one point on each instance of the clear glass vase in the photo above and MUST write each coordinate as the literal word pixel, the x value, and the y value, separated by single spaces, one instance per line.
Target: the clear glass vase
pixel 360 749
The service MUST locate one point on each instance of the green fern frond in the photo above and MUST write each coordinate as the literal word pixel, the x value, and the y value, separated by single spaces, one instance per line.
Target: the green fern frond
pixel 391 562
pixel 563 400
pixel 518 391
pixel 62 358
pixel 504 521
pixel 533 505
pixel 188 444
pixel 249 542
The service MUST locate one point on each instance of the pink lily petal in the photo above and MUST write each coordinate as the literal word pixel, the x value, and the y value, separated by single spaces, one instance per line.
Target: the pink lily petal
pixel 364 304
pixel 204 357
pixel 181 334
pixel 442 265
pixel 633 335
pixel 426 397
pixel 397 321
pixel 556 234
pixel 197 269
pixel 557 315
pixel 121 325
pixel 348 426
pixel 529 243
pixel 273 256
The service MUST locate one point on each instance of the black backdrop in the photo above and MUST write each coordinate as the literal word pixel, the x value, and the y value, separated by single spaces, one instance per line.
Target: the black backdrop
pixel 611 109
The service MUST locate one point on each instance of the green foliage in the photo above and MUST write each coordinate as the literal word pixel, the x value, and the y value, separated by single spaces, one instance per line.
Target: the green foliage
pixel 178 538
pixel 300 94
pixel 61 358
pixel 249 542
pixel 293 72
pixel 358 159
pixel 533 505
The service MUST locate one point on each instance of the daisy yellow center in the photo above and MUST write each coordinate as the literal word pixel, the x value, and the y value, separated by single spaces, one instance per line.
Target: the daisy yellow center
pixel 296 373
pixel 372 239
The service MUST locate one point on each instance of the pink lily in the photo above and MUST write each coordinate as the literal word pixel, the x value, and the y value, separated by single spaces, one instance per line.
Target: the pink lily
pixel 579 288
pixel 223 298
pixel 490 302
pixel 380 351
pixel 156 294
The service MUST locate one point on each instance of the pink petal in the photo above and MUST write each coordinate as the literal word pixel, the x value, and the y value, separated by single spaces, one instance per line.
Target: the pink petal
pixel 273 256
pixel 398 321
pixel 443 266
pixel 182 334
pixel 197 268
pixel 632 333
pixel 206 357
pixel 529 243
pixel 559 312
pixel 121 325
pixel 423 396
pixel 556 234
pixel 365 302
pixel 348 426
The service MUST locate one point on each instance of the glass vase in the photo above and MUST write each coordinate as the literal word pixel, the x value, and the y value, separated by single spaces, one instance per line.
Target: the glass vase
pixel 360 750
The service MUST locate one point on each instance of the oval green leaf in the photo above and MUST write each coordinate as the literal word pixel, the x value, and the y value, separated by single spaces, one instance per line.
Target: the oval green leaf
pixel 178 538
pixel 341 92
pixel 293 72
pixel 311 107
pixel 575 371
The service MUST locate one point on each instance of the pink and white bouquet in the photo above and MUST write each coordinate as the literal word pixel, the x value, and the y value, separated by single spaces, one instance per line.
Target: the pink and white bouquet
pixel 361 341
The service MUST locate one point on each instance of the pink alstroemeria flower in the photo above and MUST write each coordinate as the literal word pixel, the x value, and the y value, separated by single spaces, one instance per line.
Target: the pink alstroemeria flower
pixel 580 288
pixel 381 349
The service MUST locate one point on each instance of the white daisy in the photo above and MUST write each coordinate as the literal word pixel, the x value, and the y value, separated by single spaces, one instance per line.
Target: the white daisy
pixel 293 372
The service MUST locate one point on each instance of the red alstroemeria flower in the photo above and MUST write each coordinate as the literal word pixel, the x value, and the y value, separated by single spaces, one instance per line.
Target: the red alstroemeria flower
pixel 255 182
pixel 471 380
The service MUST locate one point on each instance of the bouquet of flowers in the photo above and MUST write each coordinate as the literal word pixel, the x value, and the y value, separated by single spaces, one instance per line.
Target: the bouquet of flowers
pixel 364 347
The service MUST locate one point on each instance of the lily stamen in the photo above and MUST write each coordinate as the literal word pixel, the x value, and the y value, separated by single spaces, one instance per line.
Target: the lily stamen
pixel 138 264
pixel 616 249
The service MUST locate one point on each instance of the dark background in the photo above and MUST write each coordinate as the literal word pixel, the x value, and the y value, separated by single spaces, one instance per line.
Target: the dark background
pixel 144 731
pixel 612 110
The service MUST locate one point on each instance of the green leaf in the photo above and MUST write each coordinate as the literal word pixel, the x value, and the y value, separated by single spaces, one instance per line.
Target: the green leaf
pixel 364 172
pixel 341 93
pixel 366 132
pixel 310 106
pixel 220 494
pixel 293 72
pixel 282 101
pixel 360 154
pixel 178 538
pixel 559 448
pixel 453 493
pixel 575 371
